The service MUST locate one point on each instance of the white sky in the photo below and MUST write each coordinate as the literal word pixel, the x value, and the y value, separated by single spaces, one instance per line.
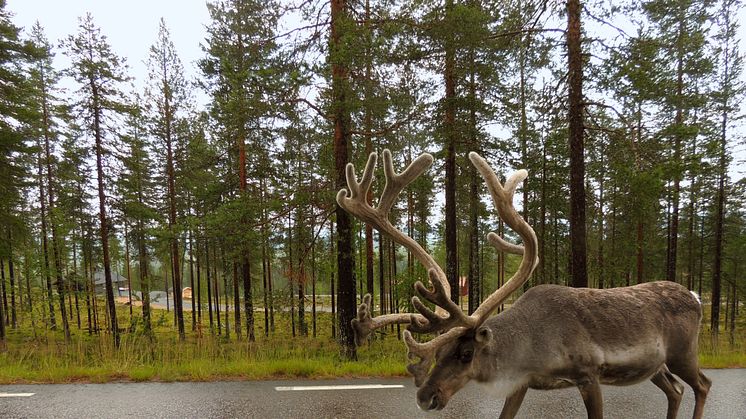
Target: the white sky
pixel 131 27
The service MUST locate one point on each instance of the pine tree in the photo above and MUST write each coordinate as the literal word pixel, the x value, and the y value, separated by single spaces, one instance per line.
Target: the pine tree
pixel 98 72
pixel 242 72
pixel 14 54
pixel 681 33
pixel 340 91
pixel 730 91
pixel 44 79
pixel 167 99
pixel 136 190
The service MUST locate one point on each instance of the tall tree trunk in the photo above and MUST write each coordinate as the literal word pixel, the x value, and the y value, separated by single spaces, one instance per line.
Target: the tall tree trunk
pixel 75 282
pixel 449 131
pixel 45 243
pixel 679 123
pixel 209 285
pixel 577 165
pixel 473 273
pixel 265 285
pixel 129 271
pixel 52 215
pixel 86 276
pixel 302 326
pixel 717 264
pixel 12 277
pixel 227 300
pixel 368 123
pixel 103 218
pixel 236 302
pixel 313 277
pixel 2 315
pixel 29 298
pixel 543 216
pixel 199 283
pixel 341 118
pixel 293 276
pixel 381 272
pixel 332 249
pixel 165 285
pixel 216 290
pixel 191 278
pixel 142 253
pixel 639 243
pixel 245 263
pixel 601 237
pixel 523 130
pixel 267 255
pixel 5 318
pixel 175 265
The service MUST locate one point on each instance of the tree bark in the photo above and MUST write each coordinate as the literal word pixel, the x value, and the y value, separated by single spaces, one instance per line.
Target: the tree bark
pixel 341 120
pixel 53 223
pixel 103 218
pixel 679 124
pixel 473 273
pixel 449 131
pixel 45 243
pixel 245 263
pixel 578 256
pixel 175 266
pixel 191 278
pixel 236 302
pixel 209 286
pixel 2 314
pixel 12 277
pixel 719 220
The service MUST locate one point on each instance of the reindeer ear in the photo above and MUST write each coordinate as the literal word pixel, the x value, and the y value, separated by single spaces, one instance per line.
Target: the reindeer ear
pixel 483 335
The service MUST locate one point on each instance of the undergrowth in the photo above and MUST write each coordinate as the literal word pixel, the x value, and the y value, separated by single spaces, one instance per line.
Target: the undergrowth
pixel 204 356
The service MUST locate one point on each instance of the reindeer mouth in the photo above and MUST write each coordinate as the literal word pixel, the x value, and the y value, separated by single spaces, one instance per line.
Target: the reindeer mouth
pixel 435 402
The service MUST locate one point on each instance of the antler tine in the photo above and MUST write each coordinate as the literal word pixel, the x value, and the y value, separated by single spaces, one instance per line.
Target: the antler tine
pixel 503 246
pixel 396 182
pixel 364 324
pixel 426 352
pixel 503 200
pixel 441 300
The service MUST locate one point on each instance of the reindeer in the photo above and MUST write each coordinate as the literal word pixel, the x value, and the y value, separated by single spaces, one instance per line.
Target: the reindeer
pixel 552 337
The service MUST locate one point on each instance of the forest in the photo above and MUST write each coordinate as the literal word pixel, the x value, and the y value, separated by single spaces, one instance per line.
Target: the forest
pixel 116 198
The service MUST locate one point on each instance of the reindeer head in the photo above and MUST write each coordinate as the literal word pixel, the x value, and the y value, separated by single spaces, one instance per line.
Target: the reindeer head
pixel 461 338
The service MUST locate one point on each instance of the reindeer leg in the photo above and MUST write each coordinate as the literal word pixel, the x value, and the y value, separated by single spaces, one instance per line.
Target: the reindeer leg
pixel 673 389
pixel 701 386
pixel 513 403
pixel 594 401
pixel 691 374
pixel 701 394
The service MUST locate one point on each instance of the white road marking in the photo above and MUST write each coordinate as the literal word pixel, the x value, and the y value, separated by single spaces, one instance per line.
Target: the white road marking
pixel 16 394
pixel 340 387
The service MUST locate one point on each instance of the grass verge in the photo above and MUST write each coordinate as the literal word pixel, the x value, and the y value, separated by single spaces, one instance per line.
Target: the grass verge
pixel 204 356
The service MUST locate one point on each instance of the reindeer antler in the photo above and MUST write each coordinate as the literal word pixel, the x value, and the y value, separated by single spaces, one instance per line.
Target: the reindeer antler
pixel 448 316
pixel 355 203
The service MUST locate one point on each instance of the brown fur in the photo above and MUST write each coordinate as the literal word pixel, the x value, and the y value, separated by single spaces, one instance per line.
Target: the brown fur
pixel 555 337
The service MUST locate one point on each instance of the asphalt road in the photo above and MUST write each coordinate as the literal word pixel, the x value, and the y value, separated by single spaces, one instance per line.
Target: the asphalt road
pixel 261 399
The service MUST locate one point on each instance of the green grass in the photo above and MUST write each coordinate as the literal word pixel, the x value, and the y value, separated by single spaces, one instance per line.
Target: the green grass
pixel 201 359
pixel 204 356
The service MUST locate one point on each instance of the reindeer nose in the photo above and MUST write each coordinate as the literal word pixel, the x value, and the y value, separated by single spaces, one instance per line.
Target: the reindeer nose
pixel 428 401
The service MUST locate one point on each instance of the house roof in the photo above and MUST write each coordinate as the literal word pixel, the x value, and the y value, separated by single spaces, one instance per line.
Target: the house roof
pixel 116 278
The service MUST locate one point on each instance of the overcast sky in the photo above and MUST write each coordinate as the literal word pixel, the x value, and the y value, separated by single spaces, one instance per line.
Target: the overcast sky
pixel 132 25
